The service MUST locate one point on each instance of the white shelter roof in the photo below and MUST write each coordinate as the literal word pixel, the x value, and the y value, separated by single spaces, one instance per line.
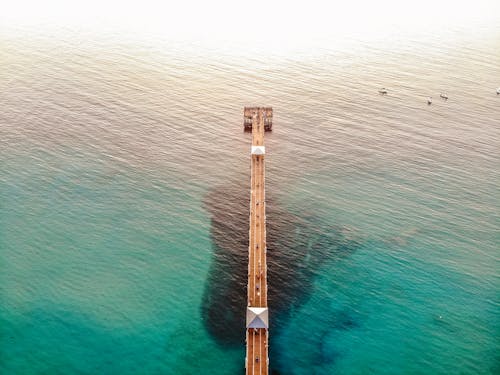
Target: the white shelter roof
pixel 257 317
pixel 258 150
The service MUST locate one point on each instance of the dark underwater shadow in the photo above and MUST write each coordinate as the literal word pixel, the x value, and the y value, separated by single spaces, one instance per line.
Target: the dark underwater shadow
pixel 297 247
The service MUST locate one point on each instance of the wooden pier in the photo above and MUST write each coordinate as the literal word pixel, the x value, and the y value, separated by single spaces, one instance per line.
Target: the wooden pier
pixel 257 318
pixel 249 112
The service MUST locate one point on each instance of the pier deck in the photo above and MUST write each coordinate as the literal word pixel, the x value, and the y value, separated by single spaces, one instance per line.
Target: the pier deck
pixel 257 361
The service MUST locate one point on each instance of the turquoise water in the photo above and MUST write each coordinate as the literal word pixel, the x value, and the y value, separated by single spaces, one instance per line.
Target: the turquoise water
pixel 124 178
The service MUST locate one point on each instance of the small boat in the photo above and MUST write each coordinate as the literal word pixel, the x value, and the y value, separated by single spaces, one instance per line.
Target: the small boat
pixel 382 91
pixel 429 100
pixel 444 96
pixel 498 91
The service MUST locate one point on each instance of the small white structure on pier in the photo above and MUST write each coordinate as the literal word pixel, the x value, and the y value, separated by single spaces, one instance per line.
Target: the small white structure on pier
pixel 258 150
pixel 257 317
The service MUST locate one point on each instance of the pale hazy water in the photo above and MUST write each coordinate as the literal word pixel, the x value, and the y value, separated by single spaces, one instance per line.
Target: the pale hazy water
pixel 124 178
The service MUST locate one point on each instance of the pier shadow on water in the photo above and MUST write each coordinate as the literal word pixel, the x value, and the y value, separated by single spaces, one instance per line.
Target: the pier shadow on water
pixel 297 246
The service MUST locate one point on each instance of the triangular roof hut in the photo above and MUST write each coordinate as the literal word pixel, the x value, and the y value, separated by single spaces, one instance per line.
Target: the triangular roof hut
pixel 257 317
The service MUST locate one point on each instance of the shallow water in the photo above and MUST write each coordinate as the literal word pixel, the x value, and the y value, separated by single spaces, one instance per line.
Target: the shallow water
pixel 124 178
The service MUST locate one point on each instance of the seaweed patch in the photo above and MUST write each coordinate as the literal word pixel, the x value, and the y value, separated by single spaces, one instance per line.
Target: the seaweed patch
pixel 297 247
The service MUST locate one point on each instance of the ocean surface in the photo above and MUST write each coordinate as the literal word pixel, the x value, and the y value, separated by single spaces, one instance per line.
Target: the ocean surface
pixel 124 189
